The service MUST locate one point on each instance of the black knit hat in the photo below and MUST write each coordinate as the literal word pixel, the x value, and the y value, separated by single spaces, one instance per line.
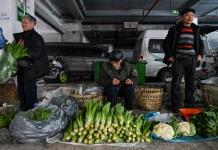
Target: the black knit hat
pixel 185 10
pixel 115 55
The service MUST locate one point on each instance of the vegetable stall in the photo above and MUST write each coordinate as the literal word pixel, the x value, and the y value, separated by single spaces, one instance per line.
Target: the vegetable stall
pixel 98 122
pixel 83 117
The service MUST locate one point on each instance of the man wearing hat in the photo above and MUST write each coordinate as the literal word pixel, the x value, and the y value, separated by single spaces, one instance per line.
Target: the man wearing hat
pixel 118 78
pixel 183 47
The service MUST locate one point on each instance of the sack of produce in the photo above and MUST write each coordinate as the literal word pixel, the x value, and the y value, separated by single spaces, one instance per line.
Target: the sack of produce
pixel 43 121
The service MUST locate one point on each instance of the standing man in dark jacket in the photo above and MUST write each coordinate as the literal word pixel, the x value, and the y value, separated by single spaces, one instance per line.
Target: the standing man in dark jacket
pixel 183 47
pixel 118 78
pixel 32 67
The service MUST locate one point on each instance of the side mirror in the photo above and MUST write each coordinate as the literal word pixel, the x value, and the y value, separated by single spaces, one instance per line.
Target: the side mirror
pixel 204 36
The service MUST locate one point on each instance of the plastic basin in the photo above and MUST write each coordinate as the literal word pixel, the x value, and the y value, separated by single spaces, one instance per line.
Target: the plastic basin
pixel 188 113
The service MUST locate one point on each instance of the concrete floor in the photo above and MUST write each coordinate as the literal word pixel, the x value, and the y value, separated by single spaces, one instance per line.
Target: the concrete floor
pixel 157 145
pixel 7 144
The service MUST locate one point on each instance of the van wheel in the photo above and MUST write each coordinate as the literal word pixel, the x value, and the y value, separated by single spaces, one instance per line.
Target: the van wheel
pixel 164 75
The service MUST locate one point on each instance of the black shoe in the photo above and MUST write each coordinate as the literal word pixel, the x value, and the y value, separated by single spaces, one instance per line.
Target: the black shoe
pixel 175 110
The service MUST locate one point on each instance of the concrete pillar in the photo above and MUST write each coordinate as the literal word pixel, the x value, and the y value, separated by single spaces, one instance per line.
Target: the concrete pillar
pixel 74 33
pixel 47 32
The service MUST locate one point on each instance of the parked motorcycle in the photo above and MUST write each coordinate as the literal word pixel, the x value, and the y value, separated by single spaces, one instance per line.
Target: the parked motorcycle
pixel 57 72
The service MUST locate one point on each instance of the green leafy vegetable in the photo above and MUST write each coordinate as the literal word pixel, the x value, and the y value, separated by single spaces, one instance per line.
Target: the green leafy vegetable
pixel 207 122
pixel 39 114
pixel 6 117
pixel 12 52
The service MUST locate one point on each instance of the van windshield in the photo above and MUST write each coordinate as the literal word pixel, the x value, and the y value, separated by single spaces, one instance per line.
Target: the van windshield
pixel 155 46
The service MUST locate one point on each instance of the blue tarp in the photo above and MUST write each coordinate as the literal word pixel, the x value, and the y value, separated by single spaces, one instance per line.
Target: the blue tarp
pixel 188 139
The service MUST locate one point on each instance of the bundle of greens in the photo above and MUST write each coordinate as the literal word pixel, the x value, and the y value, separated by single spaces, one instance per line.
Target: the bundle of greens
pixel 5 117
pixel 207 122
pixel 39 114
pixel 103 123
pixel 8 59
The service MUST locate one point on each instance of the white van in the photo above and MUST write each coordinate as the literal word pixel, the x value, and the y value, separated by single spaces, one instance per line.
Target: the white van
pixel 149 48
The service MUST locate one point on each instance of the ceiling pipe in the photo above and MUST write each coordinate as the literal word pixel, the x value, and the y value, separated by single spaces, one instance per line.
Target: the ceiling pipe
pixel 75 9
pixel 52 7
pixel 81 3
pixel 149 10
pixel 43 12
pixel 209 12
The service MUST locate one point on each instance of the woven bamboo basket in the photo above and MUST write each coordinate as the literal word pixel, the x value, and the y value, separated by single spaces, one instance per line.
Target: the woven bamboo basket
pixel 8 93
pixel 210 94
pixel 5 110
pixel 83 99
pixel 149 98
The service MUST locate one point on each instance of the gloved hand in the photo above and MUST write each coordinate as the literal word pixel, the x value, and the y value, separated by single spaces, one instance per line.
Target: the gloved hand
pixel 24 62
pixel 198 64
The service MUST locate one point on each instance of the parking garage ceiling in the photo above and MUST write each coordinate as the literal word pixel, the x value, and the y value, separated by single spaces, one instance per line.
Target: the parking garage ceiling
pixel 115 12
pixel 119 11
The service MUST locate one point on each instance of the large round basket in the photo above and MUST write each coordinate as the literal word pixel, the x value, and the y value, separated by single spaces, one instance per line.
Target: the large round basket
pixel 83 99
pixel 210 94
pixel 8 93
pixel 149 98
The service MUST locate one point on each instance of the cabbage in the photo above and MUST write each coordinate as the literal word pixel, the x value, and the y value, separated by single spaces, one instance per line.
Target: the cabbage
pixel 186 129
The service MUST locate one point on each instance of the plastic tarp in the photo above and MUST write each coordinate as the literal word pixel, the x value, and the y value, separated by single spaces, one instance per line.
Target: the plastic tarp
pixel 213 80
pixel 70 90
pixel 189 139
pixel 24 130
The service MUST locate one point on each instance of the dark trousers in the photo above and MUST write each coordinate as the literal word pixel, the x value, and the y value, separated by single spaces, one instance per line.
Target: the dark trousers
pixel 186 67
pixel 27 92
pixel 125 91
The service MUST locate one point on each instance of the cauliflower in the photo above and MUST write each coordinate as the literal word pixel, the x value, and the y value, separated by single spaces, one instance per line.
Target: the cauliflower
pixel 164 131
pixel 186 129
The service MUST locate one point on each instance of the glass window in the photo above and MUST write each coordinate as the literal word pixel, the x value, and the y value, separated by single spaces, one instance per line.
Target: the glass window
pixel 155 46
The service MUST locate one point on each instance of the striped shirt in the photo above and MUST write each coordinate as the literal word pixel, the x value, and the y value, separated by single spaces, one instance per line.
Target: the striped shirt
pixel 185 46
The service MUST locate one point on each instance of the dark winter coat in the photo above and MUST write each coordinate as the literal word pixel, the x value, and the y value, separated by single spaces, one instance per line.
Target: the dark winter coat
pixel 171 40
pixel 38 57
pixel 108 72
